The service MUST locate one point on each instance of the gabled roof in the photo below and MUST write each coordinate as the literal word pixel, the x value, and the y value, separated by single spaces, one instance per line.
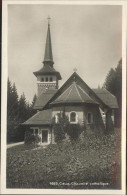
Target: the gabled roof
pixel 44 98
pixel 108 98
pixel 40 118
pixel 73 94
pixel 84 87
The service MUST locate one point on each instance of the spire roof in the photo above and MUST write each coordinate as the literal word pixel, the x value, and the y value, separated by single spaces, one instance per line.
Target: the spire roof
pixel 48 57
pixel 48 68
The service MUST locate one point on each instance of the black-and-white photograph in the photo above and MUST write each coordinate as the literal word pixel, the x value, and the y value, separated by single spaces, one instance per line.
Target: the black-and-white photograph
pixel 64 96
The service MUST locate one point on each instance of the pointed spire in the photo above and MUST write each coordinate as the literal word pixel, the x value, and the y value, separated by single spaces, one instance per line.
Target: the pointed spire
pixel 48 58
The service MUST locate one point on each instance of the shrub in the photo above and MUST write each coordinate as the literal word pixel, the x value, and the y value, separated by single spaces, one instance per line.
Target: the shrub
pixel 31 138
pixel 94 159
pixel 58 133
pixel 74 131
pixel 60 128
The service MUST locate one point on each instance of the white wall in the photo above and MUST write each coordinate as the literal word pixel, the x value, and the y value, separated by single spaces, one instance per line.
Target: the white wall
pixel 68 109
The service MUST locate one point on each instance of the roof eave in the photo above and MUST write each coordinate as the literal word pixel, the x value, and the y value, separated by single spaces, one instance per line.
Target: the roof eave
pixel 38 73
pixel 33 124
pixel 56 103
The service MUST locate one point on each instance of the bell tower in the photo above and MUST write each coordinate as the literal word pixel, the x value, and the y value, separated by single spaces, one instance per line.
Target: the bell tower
pixel 47 76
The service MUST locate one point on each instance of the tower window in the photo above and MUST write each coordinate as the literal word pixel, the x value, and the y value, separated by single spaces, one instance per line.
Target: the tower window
pixel 89 118
pixel 46 79
pixel 50 79
pixel 42 79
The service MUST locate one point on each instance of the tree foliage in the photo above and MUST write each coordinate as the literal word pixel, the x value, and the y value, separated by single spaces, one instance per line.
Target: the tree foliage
pixel 74 131
pixel 32 111
pixel 18 110
pixel 60 128
pixel 31 139
pixel 63 127
pixel 12 101
pixel 113 83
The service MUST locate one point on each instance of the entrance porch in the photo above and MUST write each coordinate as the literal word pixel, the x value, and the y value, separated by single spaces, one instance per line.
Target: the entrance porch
pixel 44 133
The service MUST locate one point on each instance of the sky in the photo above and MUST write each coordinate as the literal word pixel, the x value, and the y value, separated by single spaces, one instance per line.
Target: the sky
pixel 85 37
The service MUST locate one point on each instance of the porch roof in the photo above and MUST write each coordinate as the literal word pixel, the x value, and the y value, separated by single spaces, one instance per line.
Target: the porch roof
pixel 108 98
pixel 40 118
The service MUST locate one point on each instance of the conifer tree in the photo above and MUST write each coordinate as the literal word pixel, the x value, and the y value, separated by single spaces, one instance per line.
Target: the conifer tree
pixel 18 110
pixel 113 83
pixel 34 100
pixel 9 99
pixel 119 82
pixel 32 110
pixel 110 81
pixel 22 110
pixel 15 102
pixel 12 109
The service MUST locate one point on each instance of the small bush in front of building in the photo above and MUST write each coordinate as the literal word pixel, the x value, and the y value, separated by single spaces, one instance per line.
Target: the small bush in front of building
pixel 37 139
pixel 31 139
pixel 58 133
pixel 74 131
pixel 60 127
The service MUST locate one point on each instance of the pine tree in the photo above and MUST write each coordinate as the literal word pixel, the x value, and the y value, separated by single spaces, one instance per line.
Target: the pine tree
pixel 32 111
pixel 110 82
pixel 18 110
pixel 113 83
pixel 15 102
pixel 12 109
pixel 9 99
pixel 34 100
pixel 119 82
pixel 12 101
pixel 22 109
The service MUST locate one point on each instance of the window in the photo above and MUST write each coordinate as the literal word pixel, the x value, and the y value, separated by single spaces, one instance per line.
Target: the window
pixel 89 118
pixel 46 79
pixel 50 79
pixel 42 79
pixel 113 116
pixel 32 131
pixel 113 112
pixel 73 117
pixel 57 117
pixel 44 136
pixel 36 131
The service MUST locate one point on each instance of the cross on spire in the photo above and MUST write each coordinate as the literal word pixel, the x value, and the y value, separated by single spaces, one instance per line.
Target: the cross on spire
pixel 49 20
pixel 75 69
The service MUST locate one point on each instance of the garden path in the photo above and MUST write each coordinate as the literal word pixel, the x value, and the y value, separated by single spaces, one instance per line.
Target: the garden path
pixel 14 144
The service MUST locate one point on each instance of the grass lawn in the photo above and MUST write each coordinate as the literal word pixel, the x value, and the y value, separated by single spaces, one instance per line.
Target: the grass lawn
pixel 92 162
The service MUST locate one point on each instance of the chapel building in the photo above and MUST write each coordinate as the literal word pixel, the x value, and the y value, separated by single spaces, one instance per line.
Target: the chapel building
pixel 93 109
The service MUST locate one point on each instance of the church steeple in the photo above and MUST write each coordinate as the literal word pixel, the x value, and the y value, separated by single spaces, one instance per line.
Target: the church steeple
pixel 48 57
pixel 47 76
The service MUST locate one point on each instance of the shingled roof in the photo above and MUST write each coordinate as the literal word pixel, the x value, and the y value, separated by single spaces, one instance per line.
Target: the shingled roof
pixel 47 69
pixel 40 118
pixel 74 94
pixel 82 85
pixel 44 98
pixel 108 98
